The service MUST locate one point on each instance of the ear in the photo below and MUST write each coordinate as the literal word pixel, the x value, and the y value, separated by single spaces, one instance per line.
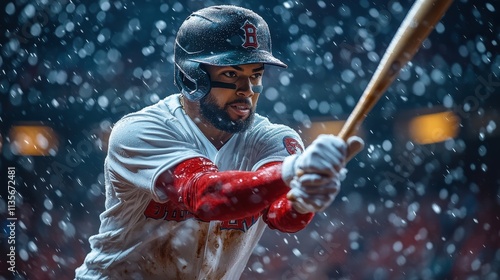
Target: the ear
pixel 192 80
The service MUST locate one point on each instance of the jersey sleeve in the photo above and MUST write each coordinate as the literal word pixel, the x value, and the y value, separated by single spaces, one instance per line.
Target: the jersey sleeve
pixel 141 147
pixel 274 143
pixel 199 187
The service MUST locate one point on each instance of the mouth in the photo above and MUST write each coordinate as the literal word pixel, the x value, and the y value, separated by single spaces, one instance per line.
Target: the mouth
pixel 240 109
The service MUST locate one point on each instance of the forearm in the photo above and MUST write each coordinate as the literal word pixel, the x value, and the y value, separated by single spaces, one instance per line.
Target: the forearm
pixel 226 195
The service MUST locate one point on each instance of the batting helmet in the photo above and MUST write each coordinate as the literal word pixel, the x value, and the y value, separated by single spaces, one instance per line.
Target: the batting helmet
pixel 221 36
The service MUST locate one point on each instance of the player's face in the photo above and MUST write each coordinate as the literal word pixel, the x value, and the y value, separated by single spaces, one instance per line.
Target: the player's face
pixel 232 110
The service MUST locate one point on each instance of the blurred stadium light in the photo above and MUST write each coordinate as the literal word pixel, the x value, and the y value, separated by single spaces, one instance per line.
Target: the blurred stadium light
pixel 434 128
pixel 318 127
pixel 33 140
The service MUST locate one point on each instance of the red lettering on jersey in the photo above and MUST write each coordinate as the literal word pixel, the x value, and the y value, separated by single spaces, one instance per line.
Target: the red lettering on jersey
pixel 239 224
pixel 155 210
pixel 250 35
pixel 292 145
pixel 164 211
pixel 179 215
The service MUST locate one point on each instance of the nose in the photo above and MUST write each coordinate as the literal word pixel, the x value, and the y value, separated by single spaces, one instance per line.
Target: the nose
pixel 246 88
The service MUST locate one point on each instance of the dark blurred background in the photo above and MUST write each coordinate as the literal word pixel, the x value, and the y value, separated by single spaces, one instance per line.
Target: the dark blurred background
pixel 422 201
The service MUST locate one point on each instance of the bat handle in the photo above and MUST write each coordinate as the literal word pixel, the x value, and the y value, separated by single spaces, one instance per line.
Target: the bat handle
pixel 354 121
pixel 347 130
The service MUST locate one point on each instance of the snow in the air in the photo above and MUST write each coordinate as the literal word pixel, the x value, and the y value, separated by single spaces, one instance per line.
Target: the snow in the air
pixel 406 210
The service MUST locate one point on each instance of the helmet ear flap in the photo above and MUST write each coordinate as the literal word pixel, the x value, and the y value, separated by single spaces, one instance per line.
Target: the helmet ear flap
pixel 192 80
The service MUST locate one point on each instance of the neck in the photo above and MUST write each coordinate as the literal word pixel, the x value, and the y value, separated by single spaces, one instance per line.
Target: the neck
pixel 217 137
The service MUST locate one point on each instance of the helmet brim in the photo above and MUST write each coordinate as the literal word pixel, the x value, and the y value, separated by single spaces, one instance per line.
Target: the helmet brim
pixel 239 58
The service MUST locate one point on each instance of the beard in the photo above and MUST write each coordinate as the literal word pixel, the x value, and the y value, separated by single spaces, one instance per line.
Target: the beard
pixel 219 117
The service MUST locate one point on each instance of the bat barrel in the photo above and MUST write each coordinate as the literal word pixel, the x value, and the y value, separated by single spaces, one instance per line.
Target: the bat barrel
pixel 418 23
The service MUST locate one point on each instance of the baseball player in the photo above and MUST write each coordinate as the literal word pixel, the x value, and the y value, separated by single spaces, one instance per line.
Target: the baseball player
pixel 193 181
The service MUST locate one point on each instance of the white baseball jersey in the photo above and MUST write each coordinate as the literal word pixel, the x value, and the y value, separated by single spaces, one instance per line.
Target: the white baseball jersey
pixel 141 235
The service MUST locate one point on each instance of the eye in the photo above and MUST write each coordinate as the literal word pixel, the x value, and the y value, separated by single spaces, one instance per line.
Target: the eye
pixel 229 74
pixel 256 76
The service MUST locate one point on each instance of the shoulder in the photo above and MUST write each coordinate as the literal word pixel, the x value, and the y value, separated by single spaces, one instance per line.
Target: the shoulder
pixel 158 117
pixel 160 112
pixel 268 133
pixel 262 126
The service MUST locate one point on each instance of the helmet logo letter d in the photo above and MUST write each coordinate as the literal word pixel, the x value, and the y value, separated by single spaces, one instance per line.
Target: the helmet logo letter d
pixel 250 35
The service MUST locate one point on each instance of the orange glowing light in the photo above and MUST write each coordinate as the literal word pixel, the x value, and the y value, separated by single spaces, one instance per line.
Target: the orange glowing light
pixel 434 128
pixel 33 140
pixel 321 127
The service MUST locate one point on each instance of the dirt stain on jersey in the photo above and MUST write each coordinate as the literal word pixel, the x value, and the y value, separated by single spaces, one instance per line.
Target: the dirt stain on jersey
pixel 202 233
pixel 231 237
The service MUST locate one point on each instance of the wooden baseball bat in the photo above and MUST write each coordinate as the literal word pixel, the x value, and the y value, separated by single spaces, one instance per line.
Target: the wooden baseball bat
pixel 418 23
